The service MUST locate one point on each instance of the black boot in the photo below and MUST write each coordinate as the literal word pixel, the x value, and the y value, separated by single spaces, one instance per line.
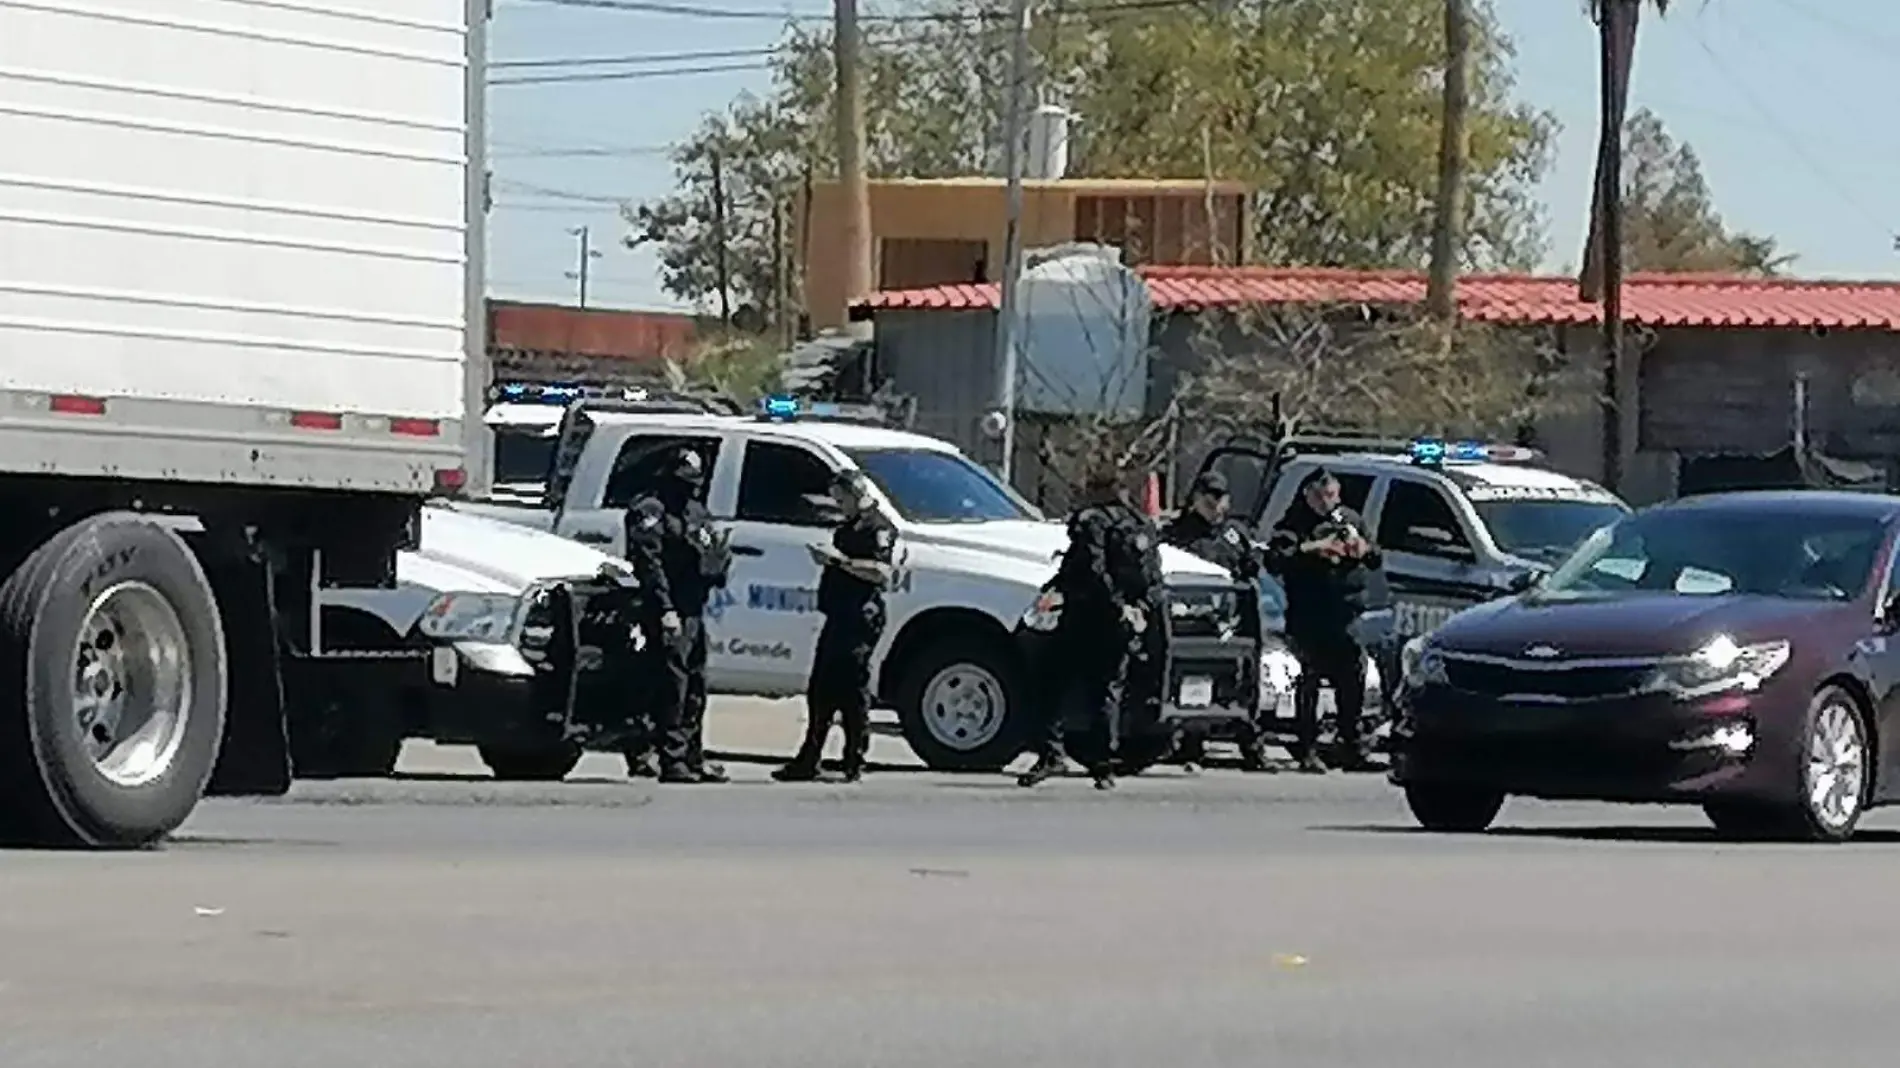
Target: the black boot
pixel 642 766
pixel 801 768
pixel 1046 766
pixel 1104 776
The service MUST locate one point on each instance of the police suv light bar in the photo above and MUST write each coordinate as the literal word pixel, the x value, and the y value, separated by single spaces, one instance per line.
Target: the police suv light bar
pixel 787 409
pixel 1433 452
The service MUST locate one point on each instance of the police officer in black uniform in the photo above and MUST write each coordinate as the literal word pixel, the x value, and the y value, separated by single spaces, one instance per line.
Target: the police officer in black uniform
pixel 1322 554
pixel 856 570
pixel 679 559
pixel 1110 581
pixel 1204 529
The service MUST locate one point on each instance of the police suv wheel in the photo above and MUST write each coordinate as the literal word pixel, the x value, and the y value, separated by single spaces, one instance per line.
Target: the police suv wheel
pixel 549 763
pixel 112 641
pixel 1449 809
pixel 961 704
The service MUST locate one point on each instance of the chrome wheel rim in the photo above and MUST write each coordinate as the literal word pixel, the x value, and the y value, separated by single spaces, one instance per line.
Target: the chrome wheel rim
pixel 131 684
pixel 964 707
pixel 1836 768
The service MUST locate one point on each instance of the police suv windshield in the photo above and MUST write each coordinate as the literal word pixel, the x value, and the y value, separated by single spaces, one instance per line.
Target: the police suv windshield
pixel 1712 553
pixel 930 486
pixel 1545 530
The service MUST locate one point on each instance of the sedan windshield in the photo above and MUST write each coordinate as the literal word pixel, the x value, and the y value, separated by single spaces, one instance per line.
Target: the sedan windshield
pixel 1711 553
pixel 1545 530
pixel 932 486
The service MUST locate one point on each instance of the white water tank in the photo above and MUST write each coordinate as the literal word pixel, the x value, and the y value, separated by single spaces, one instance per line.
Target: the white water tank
pixel 1048 143
pixel 1084 333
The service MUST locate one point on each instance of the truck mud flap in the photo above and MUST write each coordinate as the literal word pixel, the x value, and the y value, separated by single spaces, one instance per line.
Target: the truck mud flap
pixel 254 760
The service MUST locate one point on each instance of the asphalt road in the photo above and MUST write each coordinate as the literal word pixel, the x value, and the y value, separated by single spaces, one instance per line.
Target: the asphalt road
pixel 925 921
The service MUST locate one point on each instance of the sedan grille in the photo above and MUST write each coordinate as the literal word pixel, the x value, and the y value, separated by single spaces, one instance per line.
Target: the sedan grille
pixel 1574 683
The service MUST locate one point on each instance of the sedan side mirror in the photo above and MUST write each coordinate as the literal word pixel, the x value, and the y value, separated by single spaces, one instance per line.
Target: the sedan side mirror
pixel 1890 614
pixel 1523 581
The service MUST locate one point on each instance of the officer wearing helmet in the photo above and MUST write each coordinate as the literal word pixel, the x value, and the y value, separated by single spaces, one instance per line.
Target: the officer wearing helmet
pixel 1110 582
pixel 1205 529
pixel 679 559
pixel 855 571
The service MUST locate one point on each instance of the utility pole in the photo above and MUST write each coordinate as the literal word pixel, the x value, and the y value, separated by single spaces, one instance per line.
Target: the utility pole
pixel 588 254
pixel 1617 31
pixel 1006 312
pixel 781 282
pixel 853 183
pixel 719 240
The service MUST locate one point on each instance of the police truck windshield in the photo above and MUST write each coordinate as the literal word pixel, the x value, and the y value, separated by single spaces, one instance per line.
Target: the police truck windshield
pixel 1545 530
pixel 523 455
pixel 927 486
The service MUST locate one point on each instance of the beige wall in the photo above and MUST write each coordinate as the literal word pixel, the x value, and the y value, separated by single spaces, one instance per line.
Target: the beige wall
pixel 970 209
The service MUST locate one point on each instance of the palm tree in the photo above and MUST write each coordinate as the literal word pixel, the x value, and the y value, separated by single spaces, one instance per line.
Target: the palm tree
pixel 1454 151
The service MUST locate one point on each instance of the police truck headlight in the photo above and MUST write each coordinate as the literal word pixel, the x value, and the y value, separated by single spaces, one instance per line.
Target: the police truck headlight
pixel 1045 613
pixel 1719 666
pixel 469 617
pixel 1420 664
pixel 1279 669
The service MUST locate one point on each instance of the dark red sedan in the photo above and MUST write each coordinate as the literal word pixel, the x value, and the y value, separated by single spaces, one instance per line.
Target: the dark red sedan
pixel 1739 651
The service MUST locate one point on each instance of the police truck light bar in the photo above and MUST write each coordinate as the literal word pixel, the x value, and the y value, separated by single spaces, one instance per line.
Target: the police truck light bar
pixel 1432 452
pixel 562 393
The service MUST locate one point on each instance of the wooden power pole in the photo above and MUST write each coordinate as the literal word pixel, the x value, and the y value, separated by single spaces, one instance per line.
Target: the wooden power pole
pixel 720 264
pixel 853 182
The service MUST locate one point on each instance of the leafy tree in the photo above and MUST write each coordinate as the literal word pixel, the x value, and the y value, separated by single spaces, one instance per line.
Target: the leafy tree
pixel 1326 107
pixel 1669 217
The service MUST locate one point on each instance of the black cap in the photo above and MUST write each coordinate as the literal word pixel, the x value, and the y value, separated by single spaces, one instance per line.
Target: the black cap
pixel 688 466
pixel 1211 483
pixel 1318 476
pixel 851 479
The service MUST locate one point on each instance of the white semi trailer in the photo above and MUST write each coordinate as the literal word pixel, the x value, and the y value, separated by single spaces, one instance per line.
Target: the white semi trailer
pixel 240 325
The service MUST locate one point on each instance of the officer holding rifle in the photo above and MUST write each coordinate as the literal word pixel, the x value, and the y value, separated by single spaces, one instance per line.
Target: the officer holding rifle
pixel 1322 555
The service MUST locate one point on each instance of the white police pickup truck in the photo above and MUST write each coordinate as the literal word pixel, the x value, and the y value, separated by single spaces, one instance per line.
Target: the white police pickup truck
pixel 972 559
pixel 494 636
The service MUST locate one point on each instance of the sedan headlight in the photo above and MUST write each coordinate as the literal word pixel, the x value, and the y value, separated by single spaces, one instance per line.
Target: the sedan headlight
pixel 1420 664
pixel 1721 665
pixel 1045 613
pixel 469 617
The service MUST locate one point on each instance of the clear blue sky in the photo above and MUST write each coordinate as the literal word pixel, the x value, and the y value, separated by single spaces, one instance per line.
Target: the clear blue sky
pixel 1790 103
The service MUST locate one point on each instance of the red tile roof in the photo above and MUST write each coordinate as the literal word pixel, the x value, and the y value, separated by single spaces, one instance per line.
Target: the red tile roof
pixel 1650 299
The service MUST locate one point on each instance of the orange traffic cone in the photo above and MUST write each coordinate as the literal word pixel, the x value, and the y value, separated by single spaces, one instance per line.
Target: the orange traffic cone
pixel 1151 496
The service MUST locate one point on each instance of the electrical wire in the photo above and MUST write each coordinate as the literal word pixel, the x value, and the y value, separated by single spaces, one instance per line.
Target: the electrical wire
pixel 1791 140
pixel 663 7
pixel 617 61
pixel 638 74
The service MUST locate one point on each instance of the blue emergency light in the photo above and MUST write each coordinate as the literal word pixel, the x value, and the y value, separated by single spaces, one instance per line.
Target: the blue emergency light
pixel 779 408
pixel 1431 452
pixel 540 393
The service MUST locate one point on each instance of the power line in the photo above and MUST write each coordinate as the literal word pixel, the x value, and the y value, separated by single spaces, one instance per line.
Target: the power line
pixel 584 152
pixel 662 7
pixel 509 185
pixel 616 61
pixel 628 75
pixel 1789 137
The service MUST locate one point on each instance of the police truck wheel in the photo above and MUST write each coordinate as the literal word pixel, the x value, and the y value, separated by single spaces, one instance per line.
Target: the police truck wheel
pixel 111 637
pixel 1453 809
pixel 550 763
pixel 962 704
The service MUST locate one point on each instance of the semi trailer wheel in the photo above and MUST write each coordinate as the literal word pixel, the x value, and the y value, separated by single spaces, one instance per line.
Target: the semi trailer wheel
pixel 114 698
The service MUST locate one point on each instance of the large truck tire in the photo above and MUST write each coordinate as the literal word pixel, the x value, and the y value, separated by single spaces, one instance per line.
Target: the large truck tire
pixel 114 706
pixel 963 705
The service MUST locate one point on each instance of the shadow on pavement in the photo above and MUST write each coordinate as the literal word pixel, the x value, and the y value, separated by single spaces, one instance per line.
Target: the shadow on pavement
pixel 1644 833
